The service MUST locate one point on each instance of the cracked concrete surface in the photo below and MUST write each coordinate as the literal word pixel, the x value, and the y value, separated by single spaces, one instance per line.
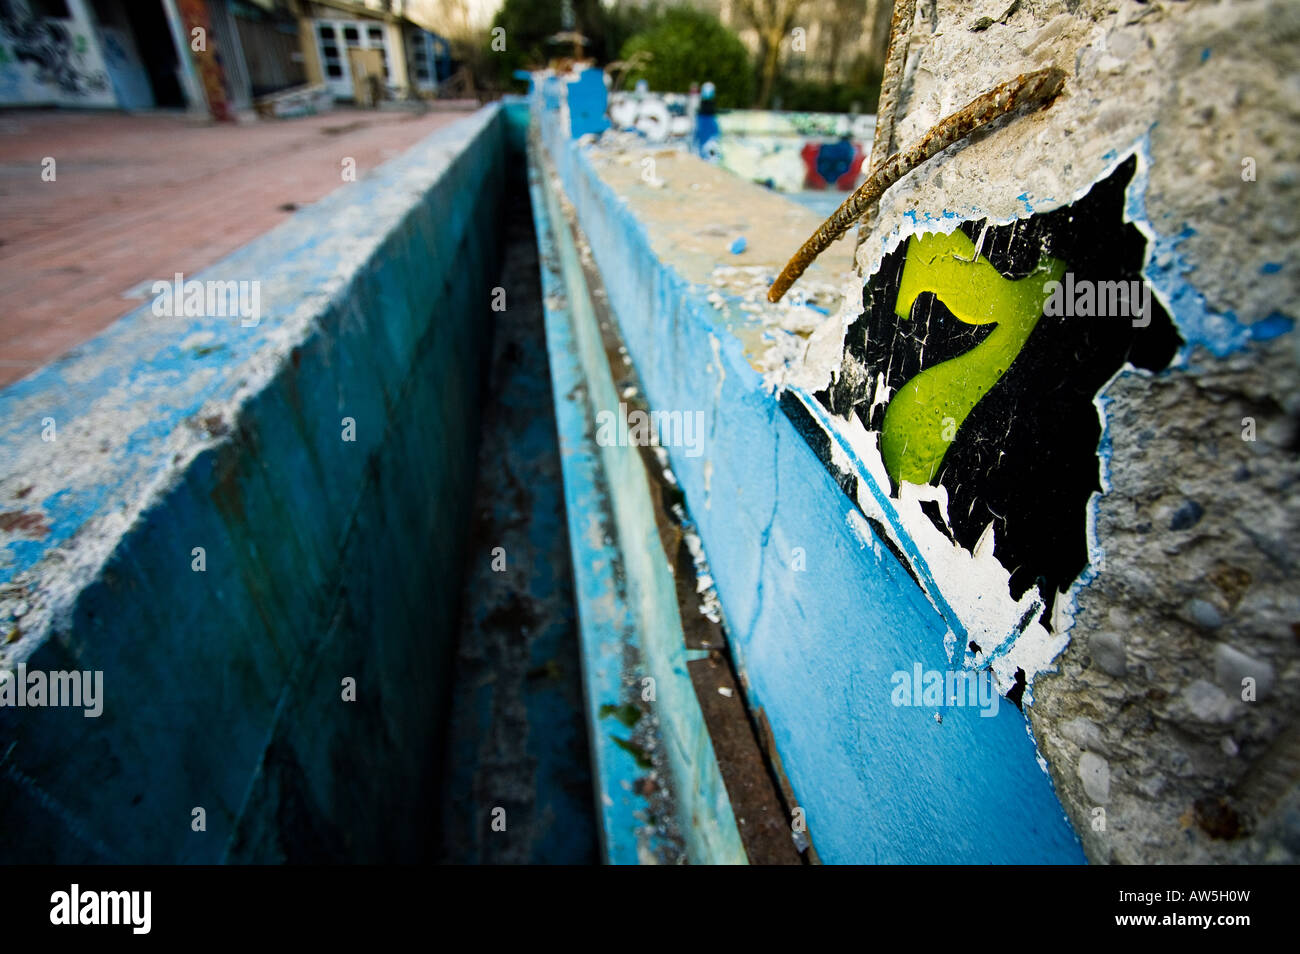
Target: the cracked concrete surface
pixel 1197 592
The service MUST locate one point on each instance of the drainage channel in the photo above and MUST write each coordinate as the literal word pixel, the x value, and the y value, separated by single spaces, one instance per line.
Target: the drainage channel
pixel 760 795
pixel 757 799
pixel 517 773
pixel 517 776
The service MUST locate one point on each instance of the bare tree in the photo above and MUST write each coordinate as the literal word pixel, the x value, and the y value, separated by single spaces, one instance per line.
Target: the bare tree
pixel 773 20
pixel 846 25
pixel 880 18
pixel 458 20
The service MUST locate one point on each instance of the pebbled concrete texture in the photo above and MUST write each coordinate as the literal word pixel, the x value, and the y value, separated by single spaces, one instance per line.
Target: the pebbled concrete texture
pixel 1209 83
pixel 326 559
pixel 1190 600
pixel 1155 754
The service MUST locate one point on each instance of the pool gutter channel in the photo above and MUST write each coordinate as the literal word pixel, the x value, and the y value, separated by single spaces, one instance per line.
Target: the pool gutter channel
pixel 638 667
pixel 760 796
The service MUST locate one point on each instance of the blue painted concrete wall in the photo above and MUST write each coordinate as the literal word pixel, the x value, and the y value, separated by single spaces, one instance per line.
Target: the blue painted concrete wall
pixel 631 629
pixel 326 559
pixel 878 783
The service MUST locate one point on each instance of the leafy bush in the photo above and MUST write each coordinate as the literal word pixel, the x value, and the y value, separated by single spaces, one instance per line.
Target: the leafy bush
pixel 688 46
pixel 800 96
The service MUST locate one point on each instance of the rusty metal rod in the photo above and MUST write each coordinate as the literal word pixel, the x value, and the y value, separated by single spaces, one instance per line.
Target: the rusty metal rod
pixel 1028 90
pixel 891 84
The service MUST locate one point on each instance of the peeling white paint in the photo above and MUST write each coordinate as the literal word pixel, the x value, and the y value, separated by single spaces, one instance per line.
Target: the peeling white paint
pixel 972 589
pixel 704 587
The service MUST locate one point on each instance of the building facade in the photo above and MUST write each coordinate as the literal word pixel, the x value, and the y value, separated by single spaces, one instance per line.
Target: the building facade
pixel 206 56
pixel 334 32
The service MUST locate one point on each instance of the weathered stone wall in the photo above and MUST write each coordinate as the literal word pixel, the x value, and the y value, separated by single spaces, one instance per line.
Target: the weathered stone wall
pixel 1190 592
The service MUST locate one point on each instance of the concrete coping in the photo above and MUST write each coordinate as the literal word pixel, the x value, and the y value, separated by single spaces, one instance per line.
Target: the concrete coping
pixel 91 441
pixel 732 238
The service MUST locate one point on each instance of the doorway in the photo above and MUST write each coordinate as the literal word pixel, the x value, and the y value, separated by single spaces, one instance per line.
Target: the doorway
pixel 333 40
pixel 140 54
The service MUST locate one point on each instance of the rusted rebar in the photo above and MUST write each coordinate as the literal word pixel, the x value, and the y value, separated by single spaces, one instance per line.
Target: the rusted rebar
pixel 891 85
pixel 1026 91
pixel 891 82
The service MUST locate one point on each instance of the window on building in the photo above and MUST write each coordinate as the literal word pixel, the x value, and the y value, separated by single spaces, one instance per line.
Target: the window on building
pixel 420 59
pixel 331 60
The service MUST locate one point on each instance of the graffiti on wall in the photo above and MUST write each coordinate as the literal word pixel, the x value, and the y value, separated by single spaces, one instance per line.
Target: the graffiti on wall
pixel 976 363
pixel 833 125
pixel 832 165
pixel 793 152
pixel 657 116
pixel 788 152
pixel 43 59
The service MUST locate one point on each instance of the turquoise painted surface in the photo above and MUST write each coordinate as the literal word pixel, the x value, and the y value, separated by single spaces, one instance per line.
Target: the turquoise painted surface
pixel 627 600
pixel 603 615
pixel 325 559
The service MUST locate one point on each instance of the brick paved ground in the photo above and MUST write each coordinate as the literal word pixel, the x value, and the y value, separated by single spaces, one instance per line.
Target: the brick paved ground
pixel 141 197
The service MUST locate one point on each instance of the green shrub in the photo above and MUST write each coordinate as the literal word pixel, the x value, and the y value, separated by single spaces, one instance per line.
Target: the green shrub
pixel 688 46
pixel 802 96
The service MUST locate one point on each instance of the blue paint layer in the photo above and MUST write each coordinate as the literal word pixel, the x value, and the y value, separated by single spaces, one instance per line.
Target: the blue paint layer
pixel 1219 333
pixel 587 103
pixel 818 647
pixel 326 559
pixel 1274 326
pixel 631 629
